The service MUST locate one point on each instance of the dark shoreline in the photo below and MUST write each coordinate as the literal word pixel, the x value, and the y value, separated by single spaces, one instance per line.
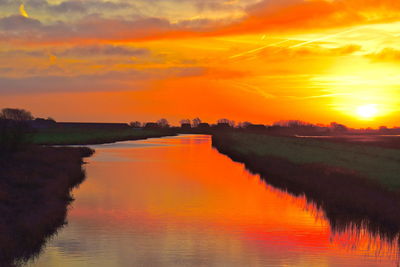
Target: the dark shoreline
pixel 346 198
pixel 35 192
pixel 89 137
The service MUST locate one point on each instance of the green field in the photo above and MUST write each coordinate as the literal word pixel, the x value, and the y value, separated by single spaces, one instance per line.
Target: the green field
pixel 381 165
pixel 82 136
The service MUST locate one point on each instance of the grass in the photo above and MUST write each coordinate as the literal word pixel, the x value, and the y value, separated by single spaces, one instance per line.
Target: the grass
pixel 82 136
pixel 381 165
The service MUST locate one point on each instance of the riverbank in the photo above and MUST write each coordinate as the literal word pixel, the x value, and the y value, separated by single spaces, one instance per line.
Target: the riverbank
pixel 93 136
pixel 35 191
pixel 385 141
pixel 353 184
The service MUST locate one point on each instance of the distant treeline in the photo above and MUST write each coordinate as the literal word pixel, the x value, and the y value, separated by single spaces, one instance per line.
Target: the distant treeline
pixel 284 127
pixel 18 126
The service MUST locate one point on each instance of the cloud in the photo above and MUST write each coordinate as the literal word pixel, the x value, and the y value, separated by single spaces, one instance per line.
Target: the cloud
pixel 21 52
pixel 7 2
pixel 72 6
pixel 22 11
pixel 265 16
pixel 105 50
pixel 385 55
pixel 281 54
pixel 69 6
pixel 98 54
pixel 22 29
pixel 347 49
pixel 112 80
pixel 310 15
pixel 320 51
pixel 78 6
pixel 19 23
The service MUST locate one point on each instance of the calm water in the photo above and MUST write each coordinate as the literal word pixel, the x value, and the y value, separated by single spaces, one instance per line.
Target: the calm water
pixel 177 202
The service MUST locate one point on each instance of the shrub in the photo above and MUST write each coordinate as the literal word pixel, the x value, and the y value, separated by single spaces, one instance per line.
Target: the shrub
pixel 15 130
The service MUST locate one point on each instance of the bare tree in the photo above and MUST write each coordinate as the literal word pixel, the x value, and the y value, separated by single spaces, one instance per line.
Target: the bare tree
pixel 15 114
pixel 163 123
pixel 196 122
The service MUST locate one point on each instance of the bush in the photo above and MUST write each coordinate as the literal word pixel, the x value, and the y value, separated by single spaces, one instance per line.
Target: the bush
pixel 14 135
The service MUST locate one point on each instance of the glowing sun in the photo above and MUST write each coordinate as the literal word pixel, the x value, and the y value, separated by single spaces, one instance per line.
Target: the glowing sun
pixel 367 111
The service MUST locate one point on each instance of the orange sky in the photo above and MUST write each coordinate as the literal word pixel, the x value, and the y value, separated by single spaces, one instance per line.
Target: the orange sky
pixel 254 60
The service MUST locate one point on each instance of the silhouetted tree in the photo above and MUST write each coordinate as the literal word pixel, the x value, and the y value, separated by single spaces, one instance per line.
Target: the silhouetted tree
pixel 336 127
pixel 185 124
pixel 15 114
pixel 151 125
pixel 163 123
pixel 51 119
pixel 196 122
pixel 135 124
pixel 224 121
pixel 184 121
pixel 244 124
pixel 292 123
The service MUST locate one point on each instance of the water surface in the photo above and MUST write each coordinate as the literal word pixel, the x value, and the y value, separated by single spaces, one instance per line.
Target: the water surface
pixel 176 201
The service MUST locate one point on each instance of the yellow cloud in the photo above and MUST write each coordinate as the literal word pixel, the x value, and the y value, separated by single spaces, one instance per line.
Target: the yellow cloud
pixel 22 11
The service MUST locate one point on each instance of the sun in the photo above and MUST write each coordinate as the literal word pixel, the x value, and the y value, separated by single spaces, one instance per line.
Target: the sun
pixel 367 111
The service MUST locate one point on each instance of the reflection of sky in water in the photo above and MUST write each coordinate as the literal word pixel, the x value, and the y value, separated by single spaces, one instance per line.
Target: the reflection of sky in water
pixel 183 139
pixel 177 202
pixel 114 153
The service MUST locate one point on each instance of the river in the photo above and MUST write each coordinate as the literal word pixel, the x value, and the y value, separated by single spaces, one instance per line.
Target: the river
pixel 176 201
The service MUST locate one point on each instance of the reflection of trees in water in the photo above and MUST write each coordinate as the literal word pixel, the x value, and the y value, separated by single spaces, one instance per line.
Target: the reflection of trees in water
pixel 35 192
pixel 360 232
pixel 360 213
pixel 352 235
pixel 360 235
pixel 367 243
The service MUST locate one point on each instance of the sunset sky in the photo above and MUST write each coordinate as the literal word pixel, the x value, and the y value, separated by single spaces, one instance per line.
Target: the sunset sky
pixel 256 60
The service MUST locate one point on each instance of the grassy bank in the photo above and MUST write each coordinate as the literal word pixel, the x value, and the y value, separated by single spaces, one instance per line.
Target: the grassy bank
pixel 35 191
pixel 353 184
pixel 380 165
pixel 85 136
